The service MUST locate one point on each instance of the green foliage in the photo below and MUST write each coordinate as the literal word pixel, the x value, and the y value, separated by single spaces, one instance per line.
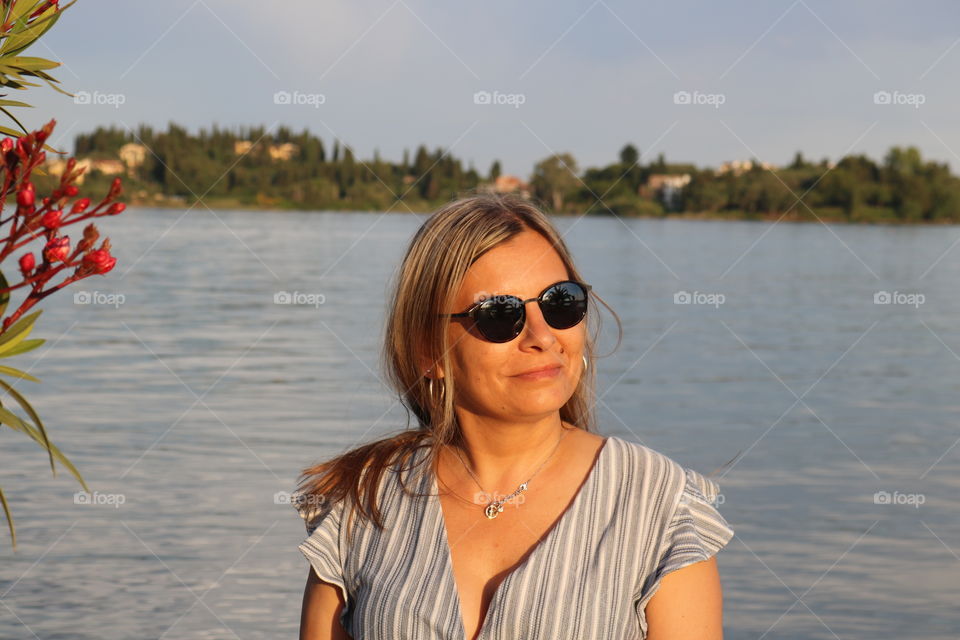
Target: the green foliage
pixel 555 180
pixel 24 22
pixel 901 188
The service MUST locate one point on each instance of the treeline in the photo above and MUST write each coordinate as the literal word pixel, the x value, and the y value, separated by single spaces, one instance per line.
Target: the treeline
pixel 310 174
pixel 315 176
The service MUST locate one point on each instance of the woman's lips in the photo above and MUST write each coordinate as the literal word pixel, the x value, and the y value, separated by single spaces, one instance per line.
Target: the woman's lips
pixel 541 375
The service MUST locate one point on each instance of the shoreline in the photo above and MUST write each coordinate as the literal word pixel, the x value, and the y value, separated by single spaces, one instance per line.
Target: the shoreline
pixel 699 216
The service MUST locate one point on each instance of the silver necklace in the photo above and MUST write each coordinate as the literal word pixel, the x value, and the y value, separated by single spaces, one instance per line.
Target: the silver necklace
pixel 495 507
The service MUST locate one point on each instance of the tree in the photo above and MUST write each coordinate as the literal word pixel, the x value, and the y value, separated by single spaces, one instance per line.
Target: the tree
pixel 494 171
pixel 629 156
pixel 798 162
pixel 555 179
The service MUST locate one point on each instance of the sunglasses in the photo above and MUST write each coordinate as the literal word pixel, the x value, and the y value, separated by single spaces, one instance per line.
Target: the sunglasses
pixel 501 318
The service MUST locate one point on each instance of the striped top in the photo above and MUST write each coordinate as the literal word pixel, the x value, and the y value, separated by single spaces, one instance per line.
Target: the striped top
pixel 637 516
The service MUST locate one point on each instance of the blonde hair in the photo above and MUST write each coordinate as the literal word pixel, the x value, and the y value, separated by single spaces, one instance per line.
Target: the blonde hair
pixel 427 281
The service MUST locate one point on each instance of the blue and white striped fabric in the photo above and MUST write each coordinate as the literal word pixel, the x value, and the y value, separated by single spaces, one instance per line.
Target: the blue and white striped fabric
pixel 638 516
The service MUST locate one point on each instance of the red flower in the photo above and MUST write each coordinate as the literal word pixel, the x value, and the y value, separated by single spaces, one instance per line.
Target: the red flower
pixel 27 263
pixel 115 188
pixel 80 205
pixel 26 196
pixel 57 249
pixel 100 261
pixel 43 7
pixel 51 219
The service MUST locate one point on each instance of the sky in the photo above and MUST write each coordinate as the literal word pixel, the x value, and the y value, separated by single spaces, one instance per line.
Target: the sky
pixel 700 82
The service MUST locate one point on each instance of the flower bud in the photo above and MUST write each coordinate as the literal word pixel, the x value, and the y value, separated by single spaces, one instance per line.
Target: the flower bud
pixel 80 205
pixel 90 235
pixel 27 263
pixel 99 261
pixel 47 129
pixel 26 196
pixel 51 219
pixel 115 208
pixel 57 249
pixel 115 188
pixel 24 146
pixel 71 190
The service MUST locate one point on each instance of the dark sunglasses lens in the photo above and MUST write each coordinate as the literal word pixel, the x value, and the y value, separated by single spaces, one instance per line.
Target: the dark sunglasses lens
pixel 500 319
pixel 564 305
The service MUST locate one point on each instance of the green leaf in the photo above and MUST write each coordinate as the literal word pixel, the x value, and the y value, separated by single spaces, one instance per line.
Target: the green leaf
pixel 14 103
pixel 20 330
pixel 30 63
pixel 21 32
pixel 4 295
pixel 22 36
pixel 16 373
pixel 23 347
pixel 15 85
pixel 15 423
pixel 11 132
pixel 22 8
pixel 6 511
pixel 34 415
pixel 12 117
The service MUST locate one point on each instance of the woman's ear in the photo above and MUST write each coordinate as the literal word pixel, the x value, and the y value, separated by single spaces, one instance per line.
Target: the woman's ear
pixel 429 369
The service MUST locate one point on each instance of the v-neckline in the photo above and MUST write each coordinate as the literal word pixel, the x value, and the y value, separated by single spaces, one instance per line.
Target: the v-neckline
pixel 434 502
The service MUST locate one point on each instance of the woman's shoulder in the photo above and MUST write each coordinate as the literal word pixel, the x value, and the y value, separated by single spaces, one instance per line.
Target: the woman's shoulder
pixel 657 473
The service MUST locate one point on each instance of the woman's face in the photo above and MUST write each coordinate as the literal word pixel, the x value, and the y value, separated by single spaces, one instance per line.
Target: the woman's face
pixel 486 373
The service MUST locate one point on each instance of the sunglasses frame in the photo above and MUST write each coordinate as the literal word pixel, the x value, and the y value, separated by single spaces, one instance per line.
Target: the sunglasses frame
pixel 475 307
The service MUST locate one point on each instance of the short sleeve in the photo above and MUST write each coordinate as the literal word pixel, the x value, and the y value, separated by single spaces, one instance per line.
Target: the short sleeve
pixel 323 548
pixel 696 531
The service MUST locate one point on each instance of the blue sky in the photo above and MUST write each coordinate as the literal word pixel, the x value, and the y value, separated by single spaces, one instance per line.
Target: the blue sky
pixel 765 78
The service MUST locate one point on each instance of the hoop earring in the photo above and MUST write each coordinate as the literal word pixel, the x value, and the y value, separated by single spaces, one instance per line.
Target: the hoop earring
pixel 430 390
pixel 585 367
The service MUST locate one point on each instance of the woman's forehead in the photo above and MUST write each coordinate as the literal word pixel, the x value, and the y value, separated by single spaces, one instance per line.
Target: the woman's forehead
pixel 523 285
pixel 522 266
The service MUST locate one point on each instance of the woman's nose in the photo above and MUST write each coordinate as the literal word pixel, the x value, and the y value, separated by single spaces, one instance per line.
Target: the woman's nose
pixel 536 326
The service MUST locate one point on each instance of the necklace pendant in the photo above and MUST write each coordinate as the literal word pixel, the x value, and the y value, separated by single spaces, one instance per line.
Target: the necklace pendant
pixel 492 510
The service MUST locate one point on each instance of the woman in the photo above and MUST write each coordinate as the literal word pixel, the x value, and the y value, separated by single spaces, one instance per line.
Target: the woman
pixel 503 515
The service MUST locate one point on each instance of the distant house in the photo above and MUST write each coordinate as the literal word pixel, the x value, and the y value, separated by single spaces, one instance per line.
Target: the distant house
pixel 665 186
pixel 282 152
pixel 507 184
pixel 109 167
pixel 133 156
pixel 737 167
